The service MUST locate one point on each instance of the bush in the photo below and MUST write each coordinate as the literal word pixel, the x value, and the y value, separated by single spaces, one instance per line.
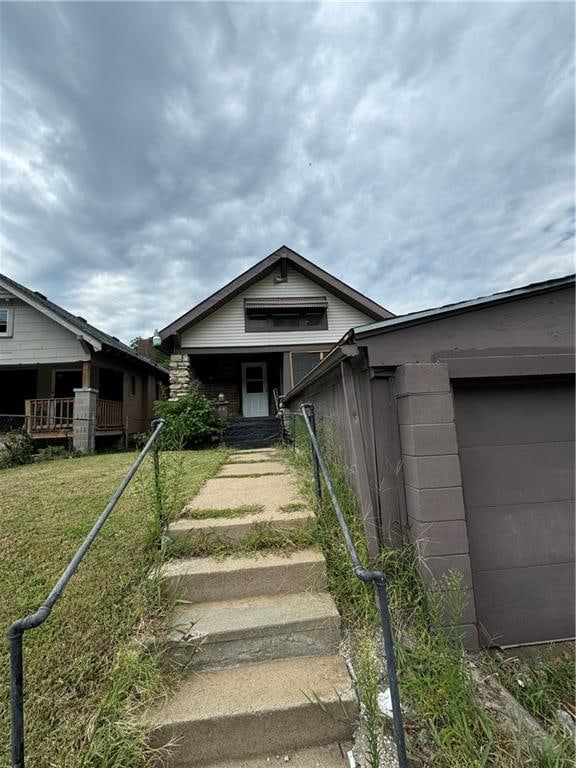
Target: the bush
pixel 15 449
pixel 52 452
pixel 190 421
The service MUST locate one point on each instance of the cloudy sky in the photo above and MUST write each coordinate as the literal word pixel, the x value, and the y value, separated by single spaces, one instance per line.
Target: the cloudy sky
pixel 422 152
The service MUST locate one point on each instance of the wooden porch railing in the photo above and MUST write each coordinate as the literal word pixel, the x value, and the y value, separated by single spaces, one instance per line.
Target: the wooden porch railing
pixel 108 414
pixel 50 414
pixel 56 414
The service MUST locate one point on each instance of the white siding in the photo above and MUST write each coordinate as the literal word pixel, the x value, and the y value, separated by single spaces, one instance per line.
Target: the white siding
pixel 225 326
pixel 37 339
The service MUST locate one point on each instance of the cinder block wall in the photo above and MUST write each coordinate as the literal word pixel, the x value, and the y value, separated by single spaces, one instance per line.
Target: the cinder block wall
pixel 432 479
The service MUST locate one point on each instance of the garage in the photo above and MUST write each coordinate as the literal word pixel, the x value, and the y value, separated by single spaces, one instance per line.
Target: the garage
pixel 516 445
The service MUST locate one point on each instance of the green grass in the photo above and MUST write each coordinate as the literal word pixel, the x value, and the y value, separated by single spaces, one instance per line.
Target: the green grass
pixel 252 474
pixel 262 538
pixel 266 459
pixel 84 675
pixel 353 598
pixel 207 514
pixel 543 679
pixel 294 506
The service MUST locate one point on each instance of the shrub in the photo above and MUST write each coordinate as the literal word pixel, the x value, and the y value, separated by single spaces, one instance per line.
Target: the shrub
pixel 190 421
pixel 52 452
pixel 15 449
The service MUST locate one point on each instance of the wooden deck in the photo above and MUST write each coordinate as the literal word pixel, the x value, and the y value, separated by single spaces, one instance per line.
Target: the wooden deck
pixel 53 417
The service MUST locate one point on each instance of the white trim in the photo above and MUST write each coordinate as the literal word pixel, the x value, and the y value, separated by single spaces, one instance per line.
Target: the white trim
pixel 75 329
pixel 9 322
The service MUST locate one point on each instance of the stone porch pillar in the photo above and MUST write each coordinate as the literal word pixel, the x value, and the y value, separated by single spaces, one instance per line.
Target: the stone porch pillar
pixel 179 376
pixel 432 479
pixel 84 423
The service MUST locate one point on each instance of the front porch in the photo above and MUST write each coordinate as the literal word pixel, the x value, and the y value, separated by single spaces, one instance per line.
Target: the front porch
pixel 71 401
pixel 53 417
pixel 248 384
pixel 248 381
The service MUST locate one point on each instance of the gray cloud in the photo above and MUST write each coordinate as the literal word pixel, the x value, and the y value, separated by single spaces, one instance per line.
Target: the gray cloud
pixel 151 151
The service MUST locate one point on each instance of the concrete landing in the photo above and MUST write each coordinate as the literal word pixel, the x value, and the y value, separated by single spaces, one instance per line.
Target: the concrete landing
pixel 253 468
pixel 264 454
pixel 232 492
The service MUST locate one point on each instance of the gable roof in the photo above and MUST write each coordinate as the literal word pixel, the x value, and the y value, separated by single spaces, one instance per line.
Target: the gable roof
pixel 74 323
pixel 283 257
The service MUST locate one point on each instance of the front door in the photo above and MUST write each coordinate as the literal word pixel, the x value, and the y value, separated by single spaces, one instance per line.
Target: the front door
pixel 254 389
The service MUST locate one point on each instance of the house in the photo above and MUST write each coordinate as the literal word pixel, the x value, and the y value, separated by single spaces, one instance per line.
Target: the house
pixel 256 337
pixel 64 378
pixel 457 427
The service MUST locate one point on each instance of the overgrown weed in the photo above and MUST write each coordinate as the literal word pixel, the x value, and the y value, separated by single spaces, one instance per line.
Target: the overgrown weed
pixel 263 537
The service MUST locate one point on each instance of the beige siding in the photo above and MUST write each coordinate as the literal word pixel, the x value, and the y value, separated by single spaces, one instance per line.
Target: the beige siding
pixel 225 327
pixel 37 339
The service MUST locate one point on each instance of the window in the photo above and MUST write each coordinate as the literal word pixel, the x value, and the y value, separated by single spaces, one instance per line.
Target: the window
pixel 303 363
pixel 5 321
pixel 297 319
pixel 132 384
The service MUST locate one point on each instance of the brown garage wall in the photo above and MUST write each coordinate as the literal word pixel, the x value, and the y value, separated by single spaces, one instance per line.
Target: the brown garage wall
pixel 512 335
pixel 517 453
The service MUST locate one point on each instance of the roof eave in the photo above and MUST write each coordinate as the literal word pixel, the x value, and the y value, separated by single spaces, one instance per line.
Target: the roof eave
pixel 430 315
pixel 40 307
pixel 258 271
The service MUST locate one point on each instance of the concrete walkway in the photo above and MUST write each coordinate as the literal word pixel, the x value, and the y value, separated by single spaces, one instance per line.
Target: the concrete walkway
pixel 256 635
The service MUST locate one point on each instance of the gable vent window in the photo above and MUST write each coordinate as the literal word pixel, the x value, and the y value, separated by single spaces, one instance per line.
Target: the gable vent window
pixel 5 321
pixel 286 314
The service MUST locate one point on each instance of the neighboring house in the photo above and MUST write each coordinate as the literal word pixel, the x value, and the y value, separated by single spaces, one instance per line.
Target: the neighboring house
pixel 262 332
pixel 457 425
pixel 67 378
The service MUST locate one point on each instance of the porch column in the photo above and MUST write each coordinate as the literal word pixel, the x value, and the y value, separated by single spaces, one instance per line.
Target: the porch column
pixel 84 425
pixel 179 376
pixel 432 479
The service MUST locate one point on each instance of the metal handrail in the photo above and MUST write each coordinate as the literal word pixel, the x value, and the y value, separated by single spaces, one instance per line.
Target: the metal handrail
pixel 33 620
pixel 377 577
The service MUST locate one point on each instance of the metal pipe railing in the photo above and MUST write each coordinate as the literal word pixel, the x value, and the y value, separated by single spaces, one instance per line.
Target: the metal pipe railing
pixel 33 620
pixel 377 577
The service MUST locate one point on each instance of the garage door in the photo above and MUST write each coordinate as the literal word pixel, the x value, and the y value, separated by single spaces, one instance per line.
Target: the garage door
pixel 516 446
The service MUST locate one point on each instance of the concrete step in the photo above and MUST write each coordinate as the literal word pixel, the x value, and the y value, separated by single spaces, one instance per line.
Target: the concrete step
pixel 235 529
pixel 233 492
pixel 252 630
pixel 242 712
pixel 206 579
pixel 327 756
pixel 253 468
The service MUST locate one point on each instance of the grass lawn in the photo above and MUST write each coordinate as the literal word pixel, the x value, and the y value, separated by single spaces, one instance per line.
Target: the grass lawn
pixel 78 675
